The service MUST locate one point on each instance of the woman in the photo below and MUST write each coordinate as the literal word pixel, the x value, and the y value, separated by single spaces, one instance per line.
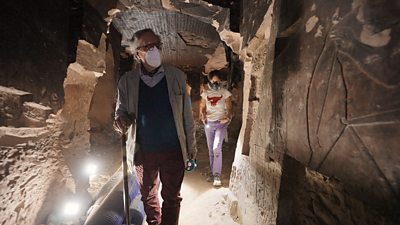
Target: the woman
pixel 215 112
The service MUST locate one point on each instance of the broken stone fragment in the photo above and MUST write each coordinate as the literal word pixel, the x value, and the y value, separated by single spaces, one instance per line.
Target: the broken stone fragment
pixel 36 111
pixel 13 153
pixel 8 115
pixel 31 144
pixel 21 145
pixel 11 183
pixel 4 170
pixel 13 136
pixel 41 158
pixel 51 121
pixel 90 57
pixel 12 100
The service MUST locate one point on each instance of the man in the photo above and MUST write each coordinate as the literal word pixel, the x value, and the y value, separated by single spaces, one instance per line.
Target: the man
pixel 154 98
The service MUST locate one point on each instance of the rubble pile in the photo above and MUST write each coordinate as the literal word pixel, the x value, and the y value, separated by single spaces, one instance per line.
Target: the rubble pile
pixel 32 175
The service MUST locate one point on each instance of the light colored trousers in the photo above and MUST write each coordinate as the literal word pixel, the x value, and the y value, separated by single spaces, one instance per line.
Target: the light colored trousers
pixel 215 133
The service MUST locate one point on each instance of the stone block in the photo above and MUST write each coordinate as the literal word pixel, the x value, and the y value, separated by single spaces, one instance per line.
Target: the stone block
pixel 10 136
pixel 36 111
pixel 11 101
pixel 90 57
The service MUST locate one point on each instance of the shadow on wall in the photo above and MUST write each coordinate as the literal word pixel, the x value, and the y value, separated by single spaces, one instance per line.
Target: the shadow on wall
pixel 34 51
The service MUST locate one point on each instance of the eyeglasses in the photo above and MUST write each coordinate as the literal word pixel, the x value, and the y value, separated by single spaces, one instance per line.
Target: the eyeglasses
pixel 147 47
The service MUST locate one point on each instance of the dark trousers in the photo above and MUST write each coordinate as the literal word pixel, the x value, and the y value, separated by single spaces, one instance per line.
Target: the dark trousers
pixel 170 167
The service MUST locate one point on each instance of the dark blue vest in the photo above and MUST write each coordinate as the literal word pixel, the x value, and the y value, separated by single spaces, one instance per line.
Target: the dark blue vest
pixel 156 130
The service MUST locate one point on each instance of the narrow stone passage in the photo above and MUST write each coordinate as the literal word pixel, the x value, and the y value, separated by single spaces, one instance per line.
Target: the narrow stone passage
pixel 314 137
pixel 202 203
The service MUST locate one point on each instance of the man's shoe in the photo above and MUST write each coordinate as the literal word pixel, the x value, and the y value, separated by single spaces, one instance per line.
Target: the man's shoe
pixel 217 181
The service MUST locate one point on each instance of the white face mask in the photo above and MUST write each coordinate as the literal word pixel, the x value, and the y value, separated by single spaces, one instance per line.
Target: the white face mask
pixel 153 57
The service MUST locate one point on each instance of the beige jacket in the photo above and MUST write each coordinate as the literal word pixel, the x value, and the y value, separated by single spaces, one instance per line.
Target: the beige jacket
pixel 127 104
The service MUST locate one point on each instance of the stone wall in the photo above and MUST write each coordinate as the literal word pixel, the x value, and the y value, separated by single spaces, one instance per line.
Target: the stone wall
pixel 336 93
pixel 330 101
pixel 307 197
pixel 255 177
pixel 88 110
pixel 34 43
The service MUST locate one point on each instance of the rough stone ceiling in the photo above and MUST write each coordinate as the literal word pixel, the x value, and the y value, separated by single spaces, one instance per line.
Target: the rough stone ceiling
pixel 202 10
pixel 186 28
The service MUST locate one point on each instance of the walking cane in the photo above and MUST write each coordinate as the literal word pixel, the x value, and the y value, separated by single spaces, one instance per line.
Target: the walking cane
pixel 125 180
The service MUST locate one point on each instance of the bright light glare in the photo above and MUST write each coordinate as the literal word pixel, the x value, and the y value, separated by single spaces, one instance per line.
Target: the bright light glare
pixel 207 126
pixel 71 208
pixel 91 169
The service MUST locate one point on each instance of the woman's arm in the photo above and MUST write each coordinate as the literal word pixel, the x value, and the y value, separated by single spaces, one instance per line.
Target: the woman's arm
pixel 203 112
pixel 228 106
pixel 228 113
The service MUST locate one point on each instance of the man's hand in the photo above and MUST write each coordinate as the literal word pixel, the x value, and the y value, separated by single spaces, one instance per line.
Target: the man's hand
pixel 121 124
pixel 191 163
